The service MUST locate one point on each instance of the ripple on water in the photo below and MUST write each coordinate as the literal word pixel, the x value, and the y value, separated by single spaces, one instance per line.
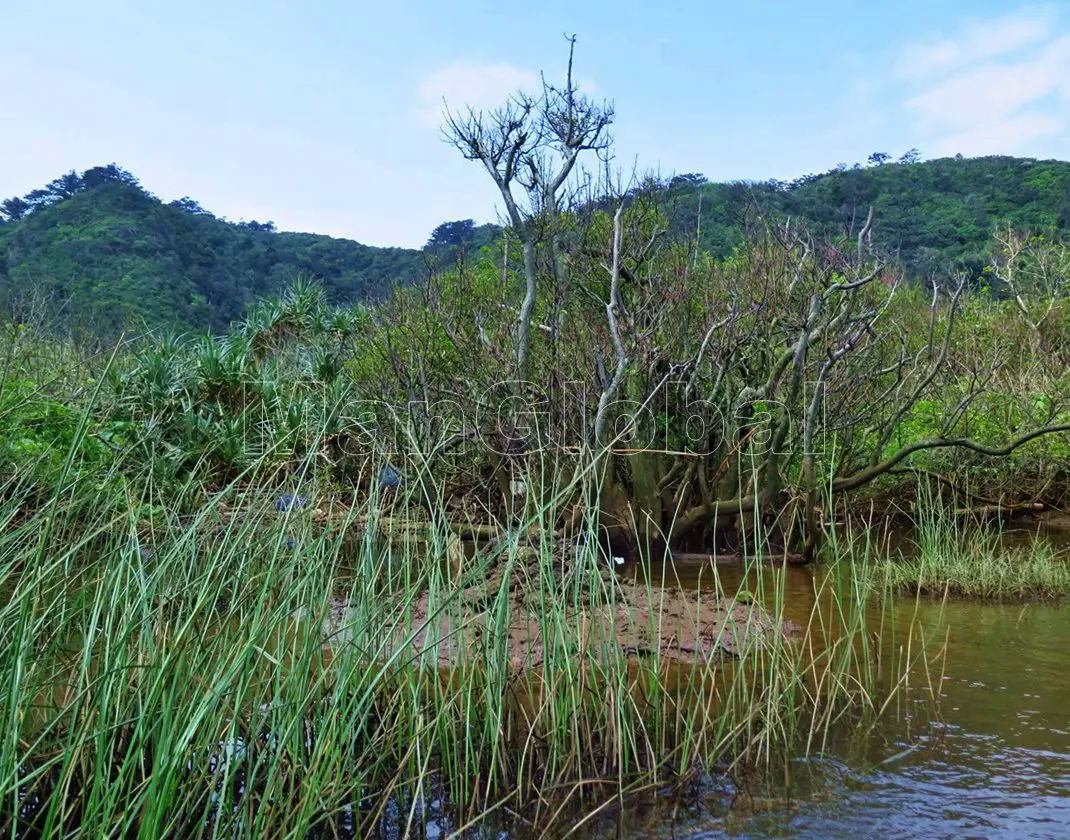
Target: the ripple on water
pixel 997 763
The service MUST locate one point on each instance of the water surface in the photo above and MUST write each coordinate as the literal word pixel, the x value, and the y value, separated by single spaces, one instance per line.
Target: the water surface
pixel 995 761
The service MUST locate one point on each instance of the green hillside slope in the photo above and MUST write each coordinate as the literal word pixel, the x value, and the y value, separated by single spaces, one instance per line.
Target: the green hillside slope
pixel 105 253
pixel 934 215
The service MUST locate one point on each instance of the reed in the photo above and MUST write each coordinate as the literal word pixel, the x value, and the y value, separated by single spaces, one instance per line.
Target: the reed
pixel 958 558
pixel 244 671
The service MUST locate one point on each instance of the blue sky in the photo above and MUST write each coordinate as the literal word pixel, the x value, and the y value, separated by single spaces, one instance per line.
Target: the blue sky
pixel 323 115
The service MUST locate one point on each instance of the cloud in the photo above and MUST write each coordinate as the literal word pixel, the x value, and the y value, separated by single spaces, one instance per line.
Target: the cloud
pixel 996 86
pixel 976 40
pixel 1007 135
pixel 475 86
pixel 995 90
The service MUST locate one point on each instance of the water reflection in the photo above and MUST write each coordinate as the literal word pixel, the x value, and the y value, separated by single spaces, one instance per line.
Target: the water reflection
pixel 996 763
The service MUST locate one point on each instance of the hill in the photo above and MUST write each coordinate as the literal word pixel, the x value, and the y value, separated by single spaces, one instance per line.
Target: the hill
pixel 104 252
pixel 107 253
pixel 933 215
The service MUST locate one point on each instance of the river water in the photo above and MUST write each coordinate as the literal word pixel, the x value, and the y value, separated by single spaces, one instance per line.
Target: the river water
pixel 991 760
pixel 994 760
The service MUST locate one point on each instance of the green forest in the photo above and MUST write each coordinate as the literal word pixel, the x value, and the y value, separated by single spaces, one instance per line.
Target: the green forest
pixel 99 250
pixel 933 216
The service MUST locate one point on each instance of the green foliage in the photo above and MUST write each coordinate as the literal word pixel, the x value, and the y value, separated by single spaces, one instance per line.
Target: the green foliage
pixel 112 255
pixel 453 238
pixel 270 391
pixel 36 424
pixel 934 214
pixel 42 430
pixel 288 385
pixel 954 557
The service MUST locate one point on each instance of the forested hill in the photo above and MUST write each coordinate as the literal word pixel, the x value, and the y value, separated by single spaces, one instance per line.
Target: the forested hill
pixel 105 253
pixel 934 215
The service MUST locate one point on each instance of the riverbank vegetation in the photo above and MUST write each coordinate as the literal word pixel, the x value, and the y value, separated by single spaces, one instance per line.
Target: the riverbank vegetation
pixel 956 556
pixel 337 565
pixel 261 667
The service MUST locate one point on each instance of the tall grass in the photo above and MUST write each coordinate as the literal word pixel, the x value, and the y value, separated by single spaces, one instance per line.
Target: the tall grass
pixel 173 678
pixel 184 659
pixel 957 557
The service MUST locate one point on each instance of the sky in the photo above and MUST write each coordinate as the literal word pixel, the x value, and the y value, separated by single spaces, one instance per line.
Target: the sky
pixel 325 116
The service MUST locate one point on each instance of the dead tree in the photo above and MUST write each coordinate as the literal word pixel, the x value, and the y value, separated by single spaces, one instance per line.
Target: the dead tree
pixel 531 147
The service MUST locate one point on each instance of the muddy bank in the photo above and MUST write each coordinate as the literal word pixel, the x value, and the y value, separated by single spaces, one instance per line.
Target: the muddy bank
pixel 515 615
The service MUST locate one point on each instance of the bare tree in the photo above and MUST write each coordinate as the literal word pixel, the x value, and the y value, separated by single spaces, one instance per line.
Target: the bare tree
pixel 530 147
pixel 809 357
pixel 1036 272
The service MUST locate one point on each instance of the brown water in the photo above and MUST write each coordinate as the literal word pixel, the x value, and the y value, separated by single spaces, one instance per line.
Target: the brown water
pixel 995 760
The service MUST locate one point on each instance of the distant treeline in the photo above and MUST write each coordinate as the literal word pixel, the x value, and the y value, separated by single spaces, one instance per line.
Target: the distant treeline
pixel 98 250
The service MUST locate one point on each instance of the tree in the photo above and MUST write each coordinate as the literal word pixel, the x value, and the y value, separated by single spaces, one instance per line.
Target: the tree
pixel 731 394
pixel 530 147
pixel 38 198
pixel 911 156
pixel 690 179
pixel 188 205
pixel 263 227
pixel 452 234
pixel 14 209
pixel 789 344
pixel 65 186
pixel 111 173
pixel 1036 272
